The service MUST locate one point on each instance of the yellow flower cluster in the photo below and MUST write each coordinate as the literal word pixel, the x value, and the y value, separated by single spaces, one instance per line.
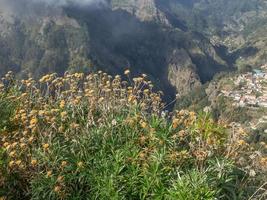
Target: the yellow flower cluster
pixel 183 118
pixel 55 105
pixel 60 108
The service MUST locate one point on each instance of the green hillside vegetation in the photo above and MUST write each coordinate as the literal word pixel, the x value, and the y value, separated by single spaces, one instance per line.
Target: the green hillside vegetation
pixel 100 137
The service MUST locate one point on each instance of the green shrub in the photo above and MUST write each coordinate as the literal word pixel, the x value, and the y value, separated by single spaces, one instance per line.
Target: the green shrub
pixel 94 137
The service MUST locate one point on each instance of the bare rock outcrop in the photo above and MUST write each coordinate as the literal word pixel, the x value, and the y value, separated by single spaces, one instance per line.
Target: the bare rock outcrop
pixel 181 72
pixel 145 10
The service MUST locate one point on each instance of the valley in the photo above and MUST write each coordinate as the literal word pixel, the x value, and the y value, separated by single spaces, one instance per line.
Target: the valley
pixel 133 99
pixel 180 45
pixel 110 38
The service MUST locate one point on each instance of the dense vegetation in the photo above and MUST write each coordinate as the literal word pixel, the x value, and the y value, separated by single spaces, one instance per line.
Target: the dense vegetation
pixel 99 137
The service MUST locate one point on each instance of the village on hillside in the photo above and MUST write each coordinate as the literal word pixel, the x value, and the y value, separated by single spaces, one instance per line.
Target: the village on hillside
pixel 250 89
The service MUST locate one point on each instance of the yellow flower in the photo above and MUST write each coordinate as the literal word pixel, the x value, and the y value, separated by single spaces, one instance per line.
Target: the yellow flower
pixel 181 133
pixel 182 112
pixel 161 142
pixel 22 145
pixel 34 121
pixel 131 99
pixel 263 161
pixel 175 123
pixel 80 164
pixel 262 143
pixel 14 144
pixel 60 179
pixel 18 162
pixel 8 147
pixel 130 122
pixel 152 131
pixel 5 144
pixel 183 154
pixel 33 112
pixel 61 129
pixel 42 79
pixel 241 142
pixel 24 133
pixel 127 72
pixel 101 99
pixel 143 124
pixel 64 163
pixel 11 163
pixel 57 189
pixel 12 154
pixel 31 139
pixel 76 101
pixel 144 75
pixel 54 111
pixel 211 141
pixel 22 96
pixel 200 154
pixel 63 115
pixel 3 139
pixel 175 136
pixel 142 140
pixel 173 155
pixel 74 126
pixel 46 146
pixel 49 173
pixel 62 104
pixel 34 162
pixel 142 155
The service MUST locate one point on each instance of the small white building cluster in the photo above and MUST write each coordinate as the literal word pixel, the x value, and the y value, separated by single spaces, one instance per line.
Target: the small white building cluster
pixel 251 89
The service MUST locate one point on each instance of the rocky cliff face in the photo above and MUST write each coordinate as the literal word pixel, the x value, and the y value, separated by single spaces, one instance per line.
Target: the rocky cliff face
pixel 182 72
pixel 145 10
pixel 238 25
pixel 138 34
pixel 40 45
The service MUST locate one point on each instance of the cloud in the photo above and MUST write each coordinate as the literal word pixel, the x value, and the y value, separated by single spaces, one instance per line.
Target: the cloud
pixel 17 4
pixel 30 7
pixel 67 2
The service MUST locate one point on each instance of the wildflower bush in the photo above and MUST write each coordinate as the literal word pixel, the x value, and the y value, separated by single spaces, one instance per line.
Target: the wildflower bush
pixel 99 137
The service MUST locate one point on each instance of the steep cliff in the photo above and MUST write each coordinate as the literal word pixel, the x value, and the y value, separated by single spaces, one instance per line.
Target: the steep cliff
pixel 145 10
pixel 182 72
pixel 140 35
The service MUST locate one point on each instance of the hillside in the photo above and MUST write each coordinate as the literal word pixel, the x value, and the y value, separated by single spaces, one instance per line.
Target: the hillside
pixel 133 99
pixel 234 97
pixel 135 34
pixel 181 44
pixel 97 137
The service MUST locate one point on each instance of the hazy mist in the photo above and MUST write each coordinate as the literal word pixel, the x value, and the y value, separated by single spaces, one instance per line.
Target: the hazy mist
pixel 38 7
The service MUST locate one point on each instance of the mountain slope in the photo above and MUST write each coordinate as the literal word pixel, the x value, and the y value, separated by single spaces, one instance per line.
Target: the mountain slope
pixel 147 36
pixel 238 25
